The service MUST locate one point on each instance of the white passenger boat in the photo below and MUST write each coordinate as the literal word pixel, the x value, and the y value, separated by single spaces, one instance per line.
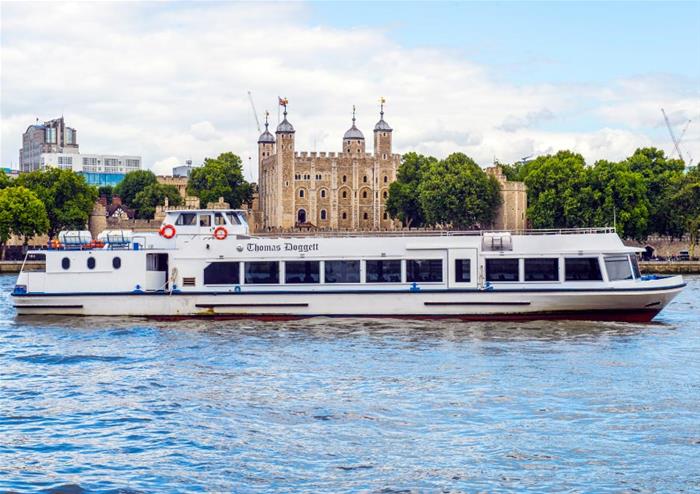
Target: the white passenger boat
pixel 204 263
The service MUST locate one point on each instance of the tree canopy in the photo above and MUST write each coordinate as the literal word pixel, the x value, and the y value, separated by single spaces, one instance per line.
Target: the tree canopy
pixel 21 214
pixel 220 177
pixel 4 180
pixel 154 195
pixel 133 183
pixel 68 199
pixel 456 191
pixel 403 202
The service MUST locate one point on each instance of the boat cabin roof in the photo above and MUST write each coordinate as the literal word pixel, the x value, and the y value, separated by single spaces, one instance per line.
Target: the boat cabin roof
pixel 212 210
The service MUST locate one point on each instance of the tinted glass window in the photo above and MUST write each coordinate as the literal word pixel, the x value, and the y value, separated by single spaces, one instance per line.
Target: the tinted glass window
pixel 204 220
pixel 501 270
pixel 423 270
pixel 233 218
pixel 541 269
pixel 582 269
pixel 219 219
pixel 263 272
pixel 302 272
pixel 91 263
pixel 187 219
pixel 65 263
pixel 342 271
pixel 222 273
pixel 116 263
pixel 463 269
pixel 635 266
pixel 383 271
pixel 618 268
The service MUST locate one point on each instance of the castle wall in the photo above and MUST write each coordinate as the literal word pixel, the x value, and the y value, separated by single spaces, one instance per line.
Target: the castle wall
pixel 512 214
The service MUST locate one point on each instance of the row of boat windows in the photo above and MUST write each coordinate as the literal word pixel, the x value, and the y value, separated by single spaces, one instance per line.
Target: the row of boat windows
pixel 92 263
pixel 309 272
pixel 575 269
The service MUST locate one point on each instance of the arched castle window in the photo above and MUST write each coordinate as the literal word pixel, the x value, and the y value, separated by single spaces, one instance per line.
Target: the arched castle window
pixel 301 216
pixel 345 194
pixel 364 194
pixel 345 215
pixel 386 179
pixel 385 194
pixel 301 192
pixel 364 179
pixel 323 214
pixel 365 216
pixel 386 216
pixel 323 193
pixel 384 156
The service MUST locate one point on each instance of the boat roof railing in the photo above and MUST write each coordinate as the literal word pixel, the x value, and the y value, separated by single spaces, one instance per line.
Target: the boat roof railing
pixel 419 232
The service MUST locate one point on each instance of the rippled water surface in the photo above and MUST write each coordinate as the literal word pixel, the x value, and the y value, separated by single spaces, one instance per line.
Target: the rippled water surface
pixel 128 405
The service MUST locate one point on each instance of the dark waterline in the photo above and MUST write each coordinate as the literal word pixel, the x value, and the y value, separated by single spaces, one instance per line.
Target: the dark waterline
pixel 128 405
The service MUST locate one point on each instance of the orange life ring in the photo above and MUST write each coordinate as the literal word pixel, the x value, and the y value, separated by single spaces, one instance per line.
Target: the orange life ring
pixel 220 233
pixel 167 231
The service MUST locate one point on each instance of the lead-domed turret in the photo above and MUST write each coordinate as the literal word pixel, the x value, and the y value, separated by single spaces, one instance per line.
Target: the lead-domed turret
pixel 353 139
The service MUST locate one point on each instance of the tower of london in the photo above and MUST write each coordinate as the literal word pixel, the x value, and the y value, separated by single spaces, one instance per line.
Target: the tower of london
pixel 343 190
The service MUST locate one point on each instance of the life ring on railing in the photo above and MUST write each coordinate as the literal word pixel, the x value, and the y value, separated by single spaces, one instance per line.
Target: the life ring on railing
pixel 220 233
pixel 167 231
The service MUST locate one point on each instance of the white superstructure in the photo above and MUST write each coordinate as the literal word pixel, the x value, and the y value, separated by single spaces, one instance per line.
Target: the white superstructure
pixel 204 263
pixel 91 163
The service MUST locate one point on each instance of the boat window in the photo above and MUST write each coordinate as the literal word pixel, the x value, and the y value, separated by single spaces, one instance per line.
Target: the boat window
pixel 65 263
pixel 302 272
pixel 156 262
pixel 262 272
pixel 502 270
pixel 463 271
pixel 91 263
pixel 233 218
pixel 116 262
pixel 204 220
pixel 582 269
pixel 618 268
pixel 219 219
pixel 635 266
pixel 383 271
pixel 222 273
pixel 342 271
pixel 424 270
pixel 186 219
pixel 545 269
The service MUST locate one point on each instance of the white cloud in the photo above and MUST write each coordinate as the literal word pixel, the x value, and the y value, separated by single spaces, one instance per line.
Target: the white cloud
pixel 170 82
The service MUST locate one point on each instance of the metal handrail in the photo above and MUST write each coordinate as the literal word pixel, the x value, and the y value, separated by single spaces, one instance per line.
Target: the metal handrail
pixel 435 233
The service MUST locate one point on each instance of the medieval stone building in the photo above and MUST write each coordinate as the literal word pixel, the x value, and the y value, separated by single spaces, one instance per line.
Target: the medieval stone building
pixel 344 190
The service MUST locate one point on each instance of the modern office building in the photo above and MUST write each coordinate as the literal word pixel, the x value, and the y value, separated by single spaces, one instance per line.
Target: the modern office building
pixel 50 137
pixel 183 170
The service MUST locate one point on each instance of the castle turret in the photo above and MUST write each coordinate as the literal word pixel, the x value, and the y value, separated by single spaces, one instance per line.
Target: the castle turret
pixel 382 136
pixel 354 140
pixel 285 166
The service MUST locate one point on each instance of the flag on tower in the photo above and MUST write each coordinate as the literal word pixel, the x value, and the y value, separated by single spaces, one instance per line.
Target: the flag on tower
pixel 283 101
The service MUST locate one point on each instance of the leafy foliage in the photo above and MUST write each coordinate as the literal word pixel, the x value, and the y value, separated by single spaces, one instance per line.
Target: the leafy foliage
pixel 457 192
pixel 403 202
pixel 107 191
pixel 154 195
pixel 220 177
pixel 21 214
pixel 133 183
pixel 686 206
pixel 4 180
pixel 68 199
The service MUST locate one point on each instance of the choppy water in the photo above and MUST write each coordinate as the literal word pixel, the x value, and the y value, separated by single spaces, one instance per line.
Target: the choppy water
pixel 125 405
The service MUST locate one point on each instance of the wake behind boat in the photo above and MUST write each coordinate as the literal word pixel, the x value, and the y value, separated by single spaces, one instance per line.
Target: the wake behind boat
pixel 204 263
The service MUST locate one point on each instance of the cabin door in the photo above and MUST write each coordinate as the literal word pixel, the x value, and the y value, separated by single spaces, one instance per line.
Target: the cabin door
pixel 462 268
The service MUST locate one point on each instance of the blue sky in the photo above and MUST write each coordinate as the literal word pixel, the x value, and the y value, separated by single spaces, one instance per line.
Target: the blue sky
pixel 169 81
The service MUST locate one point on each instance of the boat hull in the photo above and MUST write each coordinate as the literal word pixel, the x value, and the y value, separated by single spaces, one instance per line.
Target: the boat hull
pixel 635 305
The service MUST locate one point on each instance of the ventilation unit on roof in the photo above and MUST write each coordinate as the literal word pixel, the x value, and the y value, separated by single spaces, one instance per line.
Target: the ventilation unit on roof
pixel 496 241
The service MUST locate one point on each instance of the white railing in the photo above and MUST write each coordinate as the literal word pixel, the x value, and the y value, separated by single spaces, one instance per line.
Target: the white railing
pixel 432 233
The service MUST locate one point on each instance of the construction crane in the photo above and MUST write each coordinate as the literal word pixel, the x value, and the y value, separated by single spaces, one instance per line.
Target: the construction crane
pixel 255 112
pixel 676 142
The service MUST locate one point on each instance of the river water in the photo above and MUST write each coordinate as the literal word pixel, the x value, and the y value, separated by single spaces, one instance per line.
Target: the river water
pixel 129 405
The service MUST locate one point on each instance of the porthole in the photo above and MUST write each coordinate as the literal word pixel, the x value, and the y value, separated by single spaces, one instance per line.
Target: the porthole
pixel 116 262
pixel 65 263
pixel 91 263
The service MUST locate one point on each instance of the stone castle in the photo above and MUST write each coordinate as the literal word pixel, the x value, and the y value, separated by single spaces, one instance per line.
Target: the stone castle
pixel 344 191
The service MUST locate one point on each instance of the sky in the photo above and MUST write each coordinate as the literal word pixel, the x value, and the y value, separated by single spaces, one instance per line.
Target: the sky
pixel 495 80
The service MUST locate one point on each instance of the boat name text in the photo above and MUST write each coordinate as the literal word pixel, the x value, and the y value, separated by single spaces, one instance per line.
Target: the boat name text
pixel 286 246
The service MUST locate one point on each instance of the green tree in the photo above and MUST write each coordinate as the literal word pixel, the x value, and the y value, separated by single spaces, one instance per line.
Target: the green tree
pixel 620 197
pixel 663 178
pixel 456 191
pixel 220 177
pixel 4 180
pixel 154 195
pixel 67 197
pixel 403 202
pixel 686 207
pixel 133 183
pixel 21 214
pixel 559 195
pixel 107 191
pixel 513 171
